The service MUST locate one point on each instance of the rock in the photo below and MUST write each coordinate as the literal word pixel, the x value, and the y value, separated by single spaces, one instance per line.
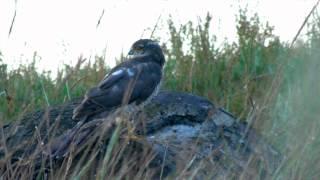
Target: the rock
pixel 182 133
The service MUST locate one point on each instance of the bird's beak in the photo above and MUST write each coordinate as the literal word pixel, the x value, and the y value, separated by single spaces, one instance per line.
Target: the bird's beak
pixel 131 52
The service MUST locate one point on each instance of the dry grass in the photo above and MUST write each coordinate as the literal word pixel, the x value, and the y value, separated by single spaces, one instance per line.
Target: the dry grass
pixel 268 83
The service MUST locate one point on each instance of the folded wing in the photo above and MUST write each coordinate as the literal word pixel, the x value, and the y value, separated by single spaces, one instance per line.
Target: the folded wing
pixel 128 84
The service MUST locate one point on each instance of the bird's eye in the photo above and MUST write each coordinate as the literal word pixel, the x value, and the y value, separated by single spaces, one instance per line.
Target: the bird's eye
pixel 140 47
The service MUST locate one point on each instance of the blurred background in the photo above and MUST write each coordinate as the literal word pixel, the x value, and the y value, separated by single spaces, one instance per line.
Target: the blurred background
pixel 259 60
pixel 61 30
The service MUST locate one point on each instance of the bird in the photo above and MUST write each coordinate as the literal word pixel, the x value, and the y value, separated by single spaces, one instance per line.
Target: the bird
pixel 135 81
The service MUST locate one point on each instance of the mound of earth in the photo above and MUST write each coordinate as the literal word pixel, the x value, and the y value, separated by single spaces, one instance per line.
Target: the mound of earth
pixel 179 134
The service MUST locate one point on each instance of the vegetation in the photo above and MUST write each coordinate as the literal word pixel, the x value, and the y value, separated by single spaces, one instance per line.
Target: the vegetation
pixel 260 79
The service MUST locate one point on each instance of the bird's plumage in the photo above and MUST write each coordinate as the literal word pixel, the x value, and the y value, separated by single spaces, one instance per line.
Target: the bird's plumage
pixel 133 81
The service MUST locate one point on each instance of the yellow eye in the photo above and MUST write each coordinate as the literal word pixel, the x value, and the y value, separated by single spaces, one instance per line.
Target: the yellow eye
pixel 139 48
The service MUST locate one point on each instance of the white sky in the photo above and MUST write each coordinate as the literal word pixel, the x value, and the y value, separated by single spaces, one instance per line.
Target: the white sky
pixel 61 30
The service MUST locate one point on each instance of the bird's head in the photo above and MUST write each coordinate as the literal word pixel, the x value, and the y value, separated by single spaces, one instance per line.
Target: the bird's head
pixel 147 47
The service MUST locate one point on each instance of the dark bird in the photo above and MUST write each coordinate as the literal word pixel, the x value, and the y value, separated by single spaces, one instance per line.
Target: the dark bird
pixel 134 81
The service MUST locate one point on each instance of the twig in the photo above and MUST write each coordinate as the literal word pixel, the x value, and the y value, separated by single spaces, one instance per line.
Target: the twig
pixel 13 19
pixel 163 161
pixel 99 21
pixel 107 156
pixel 44 93
pixel 304 23
pixel 155 26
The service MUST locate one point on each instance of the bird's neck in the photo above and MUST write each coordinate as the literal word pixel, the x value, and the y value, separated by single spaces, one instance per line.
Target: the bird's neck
pixel 158 56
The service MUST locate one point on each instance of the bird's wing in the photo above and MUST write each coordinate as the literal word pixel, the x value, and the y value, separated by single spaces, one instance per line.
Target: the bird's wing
pixel 125 84
pixel 110 90
pixel 111 78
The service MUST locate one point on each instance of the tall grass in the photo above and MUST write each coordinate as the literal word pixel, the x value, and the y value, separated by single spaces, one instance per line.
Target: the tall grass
pixel 26 89
pixel 237 76
pixel 294 126
pixel 233 75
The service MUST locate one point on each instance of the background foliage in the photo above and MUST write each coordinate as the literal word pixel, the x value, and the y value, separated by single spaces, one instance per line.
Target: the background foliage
pixel 260 79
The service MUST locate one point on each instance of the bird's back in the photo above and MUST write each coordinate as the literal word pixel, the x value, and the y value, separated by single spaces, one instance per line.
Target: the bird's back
pixel 132 81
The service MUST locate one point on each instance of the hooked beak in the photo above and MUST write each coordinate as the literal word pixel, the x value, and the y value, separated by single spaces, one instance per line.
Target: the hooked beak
pixel 131 52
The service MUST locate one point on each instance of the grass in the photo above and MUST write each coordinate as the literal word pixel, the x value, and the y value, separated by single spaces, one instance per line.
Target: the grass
pixel 260 79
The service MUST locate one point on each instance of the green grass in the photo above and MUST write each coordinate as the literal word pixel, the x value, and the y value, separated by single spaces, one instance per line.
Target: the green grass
pixel 256 78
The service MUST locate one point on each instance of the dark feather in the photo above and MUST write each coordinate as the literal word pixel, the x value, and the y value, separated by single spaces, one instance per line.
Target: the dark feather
pixel 134 80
